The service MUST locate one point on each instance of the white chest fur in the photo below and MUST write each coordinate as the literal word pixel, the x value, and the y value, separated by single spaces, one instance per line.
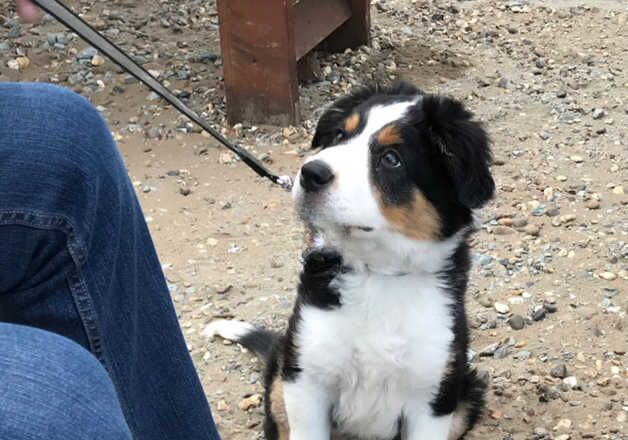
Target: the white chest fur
pixel 382 352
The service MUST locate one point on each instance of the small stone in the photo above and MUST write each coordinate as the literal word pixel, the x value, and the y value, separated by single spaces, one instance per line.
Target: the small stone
pixel 608 276
pixel 20 63
pixel 598 113
pixel 571 381
pixel 502 230
pixel 486 301
pixel 544 135
pixel 561 178
pixel 538 314
pixel 222 405
pixel 551 308
pixel 275 263
pixel 97 60
pixel 563 437
pixel 212 242
pixel 533 230
pixel 153 133
pixel 501 307
pixel 618 189
pixel 87 54
pixel 559 371
pixel 505 221
pixel 563 425
pixel 226 158
pixel 253 401
pixel 185 191
pixel 495 414
pixel 519 222
pixel 517 322
pixel 593 204
pixel 576 158
pixel 502 352
pixel 23 62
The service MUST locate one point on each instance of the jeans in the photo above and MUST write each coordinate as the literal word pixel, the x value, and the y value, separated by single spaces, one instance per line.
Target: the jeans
pixel 76 259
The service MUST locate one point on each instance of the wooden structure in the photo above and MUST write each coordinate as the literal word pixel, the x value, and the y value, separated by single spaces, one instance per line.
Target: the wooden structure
pixel 265 46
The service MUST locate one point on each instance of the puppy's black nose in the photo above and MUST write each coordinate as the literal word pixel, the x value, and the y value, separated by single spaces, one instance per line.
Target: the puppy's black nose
pixel 316 175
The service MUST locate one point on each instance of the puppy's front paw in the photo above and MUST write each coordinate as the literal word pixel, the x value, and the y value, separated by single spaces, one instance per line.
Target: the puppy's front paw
pixel 321 260
pixel 320 267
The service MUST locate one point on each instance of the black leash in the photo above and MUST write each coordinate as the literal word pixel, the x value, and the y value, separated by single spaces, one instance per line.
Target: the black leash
pixel 93 37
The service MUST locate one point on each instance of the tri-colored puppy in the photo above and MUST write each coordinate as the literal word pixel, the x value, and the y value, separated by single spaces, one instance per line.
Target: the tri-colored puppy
pixel 376 347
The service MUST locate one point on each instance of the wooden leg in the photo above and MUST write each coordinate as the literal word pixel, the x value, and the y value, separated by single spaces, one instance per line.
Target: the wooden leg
pixel 354 32
pixel 260 66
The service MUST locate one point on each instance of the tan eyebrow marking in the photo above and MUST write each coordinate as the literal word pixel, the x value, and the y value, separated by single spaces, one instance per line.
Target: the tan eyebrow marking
pixel 389 135
pixel 352 122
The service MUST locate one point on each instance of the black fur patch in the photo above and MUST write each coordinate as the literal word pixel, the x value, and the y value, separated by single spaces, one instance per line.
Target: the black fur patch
pixel 461 386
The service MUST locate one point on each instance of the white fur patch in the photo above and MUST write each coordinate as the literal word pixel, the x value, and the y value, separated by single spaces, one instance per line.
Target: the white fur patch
pixel 231 330
pixel 390 342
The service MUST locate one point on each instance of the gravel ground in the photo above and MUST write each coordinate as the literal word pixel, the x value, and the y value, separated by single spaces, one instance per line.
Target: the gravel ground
pixel 548 296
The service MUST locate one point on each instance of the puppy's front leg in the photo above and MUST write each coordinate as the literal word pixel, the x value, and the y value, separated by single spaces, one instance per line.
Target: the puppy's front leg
pixel 308 406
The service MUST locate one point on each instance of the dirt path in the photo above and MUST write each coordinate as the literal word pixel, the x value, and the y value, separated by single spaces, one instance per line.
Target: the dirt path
pixel 550 79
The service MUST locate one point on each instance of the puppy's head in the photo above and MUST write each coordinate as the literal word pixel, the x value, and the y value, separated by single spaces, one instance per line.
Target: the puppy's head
pixel 398 172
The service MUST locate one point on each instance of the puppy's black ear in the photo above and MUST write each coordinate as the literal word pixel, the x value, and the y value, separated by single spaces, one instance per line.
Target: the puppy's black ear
pixel 463 147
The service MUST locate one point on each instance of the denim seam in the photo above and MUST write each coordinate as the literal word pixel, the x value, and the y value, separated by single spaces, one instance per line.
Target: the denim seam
pixel 77 250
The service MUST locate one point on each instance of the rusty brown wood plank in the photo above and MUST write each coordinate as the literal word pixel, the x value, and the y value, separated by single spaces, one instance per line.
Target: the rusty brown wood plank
pixel 314 20
pixel 260 68
pixel 354 32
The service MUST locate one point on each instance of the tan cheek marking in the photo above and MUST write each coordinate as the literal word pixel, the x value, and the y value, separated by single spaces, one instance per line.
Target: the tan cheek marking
pixel 389 135
pixel 278 409
pixel 352 122
pixel 417 220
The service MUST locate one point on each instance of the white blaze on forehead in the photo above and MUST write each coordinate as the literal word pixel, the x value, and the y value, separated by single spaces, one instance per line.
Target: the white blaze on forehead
pixel 350 200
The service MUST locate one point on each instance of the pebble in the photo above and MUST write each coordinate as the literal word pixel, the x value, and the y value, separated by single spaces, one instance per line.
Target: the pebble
pixel 87 54
pixel 253 401
pixel 593 204
pixel 517 322
pixel 97 60
pixel 559 371
pixel 563 425
pixel 486 301
pixel 598 113
pixel 608 276
pixel 184 191
pixel 503 230
pixel 570 381
pixel 533 230
pixel 538 314
pixel 501 307
pixel 577 159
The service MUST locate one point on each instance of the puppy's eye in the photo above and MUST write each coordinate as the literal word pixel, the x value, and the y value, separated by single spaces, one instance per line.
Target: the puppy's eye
pixel 391 159
pixel 339 136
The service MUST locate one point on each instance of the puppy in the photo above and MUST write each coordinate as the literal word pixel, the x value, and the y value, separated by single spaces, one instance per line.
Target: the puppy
pixel 376 347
